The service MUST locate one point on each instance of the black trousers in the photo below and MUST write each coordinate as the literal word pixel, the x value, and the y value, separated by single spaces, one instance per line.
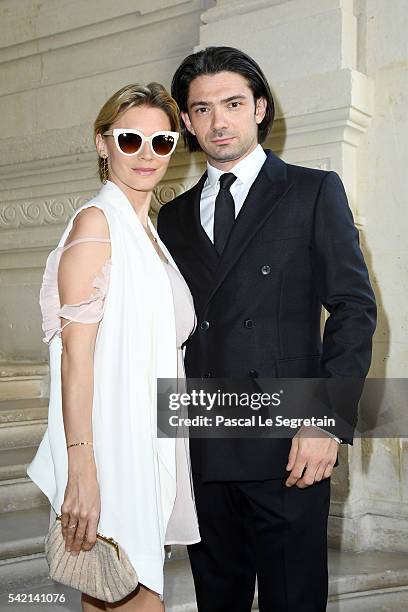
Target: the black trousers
pixel 263 530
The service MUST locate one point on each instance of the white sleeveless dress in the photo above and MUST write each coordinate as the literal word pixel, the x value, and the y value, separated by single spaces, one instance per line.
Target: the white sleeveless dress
pixel 147 499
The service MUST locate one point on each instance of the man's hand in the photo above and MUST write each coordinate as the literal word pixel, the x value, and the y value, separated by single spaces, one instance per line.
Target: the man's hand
pixel 317 454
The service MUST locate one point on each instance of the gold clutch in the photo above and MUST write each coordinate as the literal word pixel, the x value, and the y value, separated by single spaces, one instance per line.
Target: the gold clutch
pixel 104 572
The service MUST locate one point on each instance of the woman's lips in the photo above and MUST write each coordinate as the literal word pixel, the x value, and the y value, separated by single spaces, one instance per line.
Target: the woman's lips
pixel 144 171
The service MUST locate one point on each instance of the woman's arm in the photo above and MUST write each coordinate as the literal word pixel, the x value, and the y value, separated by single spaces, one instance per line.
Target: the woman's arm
pixel 78 267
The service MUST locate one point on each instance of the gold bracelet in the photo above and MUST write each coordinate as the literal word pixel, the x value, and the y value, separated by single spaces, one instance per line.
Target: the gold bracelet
pixel 78 444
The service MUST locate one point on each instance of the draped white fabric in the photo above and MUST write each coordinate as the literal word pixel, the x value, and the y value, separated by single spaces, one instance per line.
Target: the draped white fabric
pixel 136 344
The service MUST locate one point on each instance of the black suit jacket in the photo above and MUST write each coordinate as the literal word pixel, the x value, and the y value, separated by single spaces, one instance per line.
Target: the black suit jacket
pixel 292 249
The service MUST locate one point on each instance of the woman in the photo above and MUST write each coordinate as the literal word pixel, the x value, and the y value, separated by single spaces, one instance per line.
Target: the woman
pixel 115 314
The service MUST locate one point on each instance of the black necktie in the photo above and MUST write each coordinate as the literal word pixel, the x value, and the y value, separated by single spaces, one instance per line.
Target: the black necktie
pixel 224 215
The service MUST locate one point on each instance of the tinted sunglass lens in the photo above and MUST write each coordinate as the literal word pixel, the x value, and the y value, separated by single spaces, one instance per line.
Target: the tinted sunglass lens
pixel 129 142
pixel 163 144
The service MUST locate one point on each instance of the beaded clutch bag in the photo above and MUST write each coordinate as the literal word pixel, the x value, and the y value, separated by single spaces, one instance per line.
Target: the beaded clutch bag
pixel 104 572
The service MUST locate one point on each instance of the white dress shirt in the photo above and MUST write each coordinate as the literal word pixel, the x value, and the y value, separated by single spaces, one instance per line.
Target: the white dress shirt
pixel 246 172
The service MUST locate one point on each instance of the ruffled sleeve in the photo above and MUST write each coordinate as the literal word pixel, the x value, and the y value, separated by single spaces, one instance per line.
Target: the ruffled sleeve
pixel 91 309
pixel 88 310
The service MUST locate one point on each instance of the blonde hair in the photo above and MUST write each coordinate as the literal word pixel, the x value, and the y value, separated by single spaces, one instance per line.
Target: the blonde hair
pixel 153 95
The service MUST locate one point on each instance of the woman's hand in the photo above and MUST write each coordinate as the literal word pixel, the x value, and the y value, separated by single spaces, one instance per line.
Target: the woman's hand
pixel 81 507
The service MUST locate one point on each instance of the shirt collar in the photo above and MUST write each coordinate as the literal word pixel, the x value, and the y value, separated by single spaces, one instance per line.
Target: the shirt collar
pixel 246 170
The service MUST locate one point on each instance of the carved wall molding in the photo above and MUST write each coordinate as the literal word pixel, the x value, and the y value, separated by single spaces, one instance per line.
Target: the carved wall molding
pixel 73 178
pixel 282 11
pixel 84 26
pixel 167 191
pixel 36 213
pixel 57 211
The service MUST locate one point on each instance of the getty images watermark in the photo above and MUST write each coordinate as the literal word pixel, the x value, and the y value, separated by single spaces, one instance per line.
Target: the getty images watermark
pixel 241 408
pixel 277 407
pixel 209 401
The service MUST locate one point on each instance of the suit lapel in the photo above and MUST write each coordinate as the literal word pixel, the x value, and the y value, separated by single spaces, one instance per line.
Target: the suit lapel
pixel 270 186
pixel 194 231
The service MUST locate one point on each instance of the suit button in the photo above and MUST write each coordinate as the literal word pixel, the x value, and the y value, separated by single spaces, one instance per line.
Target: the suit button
pixel 253 373
pixel 248 323
pixel 204 325
pixel 266 270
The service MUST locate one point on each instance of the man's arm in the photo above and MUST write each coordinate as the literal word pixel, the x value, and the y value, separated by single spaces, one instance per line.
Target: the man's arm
pixel 342 283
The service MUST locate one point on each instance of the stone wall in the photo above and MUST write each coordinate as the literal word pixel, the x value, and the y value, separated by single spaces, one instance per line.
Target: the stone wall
pixel 59 62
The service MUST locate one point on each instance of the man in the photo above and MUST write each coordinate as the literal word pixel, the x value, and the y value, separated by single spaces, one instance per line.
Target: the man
pixel 263 245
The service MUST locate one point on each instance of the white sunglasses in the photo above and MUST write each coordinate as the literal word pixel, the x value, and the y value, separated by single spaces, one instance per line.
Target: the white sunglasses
pixel 129 142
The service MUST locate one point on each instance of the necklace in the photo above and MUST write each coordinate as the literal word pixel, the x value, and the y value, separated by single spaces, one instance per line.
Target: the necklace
pixel 152 238
pixel 156 245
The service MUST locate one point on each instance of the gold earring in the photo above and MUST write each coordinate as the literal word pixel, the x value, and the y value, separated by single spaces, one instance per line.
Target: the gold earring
pixel 105 169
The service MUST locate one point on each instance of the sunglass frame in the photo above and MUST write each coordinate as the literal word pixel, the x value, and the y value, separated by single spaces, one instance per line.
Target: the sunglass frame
pixel 118 131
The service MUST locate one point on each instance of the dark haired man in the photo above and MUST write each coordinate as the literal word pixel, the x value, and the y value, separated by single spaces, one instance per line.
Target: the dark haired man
pixel 263 245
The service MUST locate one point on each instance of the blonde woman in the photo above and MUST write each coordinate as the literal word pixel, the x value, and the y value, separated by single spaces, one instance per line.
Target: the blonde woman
pixel 115 313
